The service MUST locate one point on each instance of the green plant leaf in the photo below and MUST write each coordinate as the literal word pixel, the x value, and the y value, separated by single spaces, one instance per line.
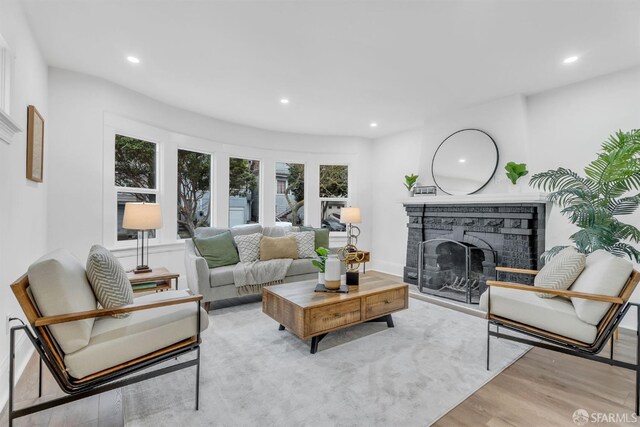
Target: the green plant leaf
pixel 515 171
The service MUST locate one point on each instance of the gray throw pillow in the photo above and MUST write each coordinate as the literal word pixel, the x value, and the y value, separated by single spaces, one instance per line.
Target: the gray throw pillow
pixel 108 279
pixel 560 272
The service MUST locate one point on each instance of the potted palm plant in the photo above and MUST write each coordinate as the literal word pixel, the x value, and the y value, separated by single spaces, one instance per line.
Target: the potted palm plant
pixel 596 202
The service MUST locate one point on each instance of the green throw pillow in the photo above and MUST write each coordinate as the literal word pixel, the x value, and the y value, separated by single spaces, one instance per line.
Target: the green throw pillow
pixel 322 236
pixel 217 250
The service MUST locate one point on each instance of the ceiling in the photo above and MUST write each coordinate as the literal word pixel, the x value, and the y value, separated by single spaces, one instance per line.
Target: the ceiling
pixel 342 64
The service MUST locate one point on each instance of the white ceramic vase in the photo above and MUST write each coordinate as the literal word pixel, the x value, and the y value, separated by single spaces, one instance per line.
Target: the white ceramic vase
pixel 332 272
pixel 321 278
pixel 410 193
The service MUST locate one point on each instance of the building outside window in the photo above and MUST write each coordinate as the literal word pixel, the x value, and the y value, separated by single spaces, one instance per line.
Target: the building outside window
pixel 290 193
pixel 244 191
pixel 135 177
pixel 194 192
pixel 334 194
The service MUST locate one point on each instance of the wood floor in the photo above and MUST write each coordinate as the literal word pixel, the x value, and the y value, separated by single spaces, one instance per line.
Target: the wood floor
pixel 543 388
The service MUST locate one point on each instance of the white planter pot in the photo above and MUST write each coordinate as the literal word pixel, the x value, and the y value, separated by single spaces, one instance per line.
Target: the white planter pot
pixel 321 278
pixel 521 185
pixel 409 193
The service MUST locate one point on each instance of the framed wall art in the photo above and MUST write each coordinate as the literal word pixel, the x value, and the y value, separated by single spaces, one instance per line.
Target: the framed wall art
pixel 35 144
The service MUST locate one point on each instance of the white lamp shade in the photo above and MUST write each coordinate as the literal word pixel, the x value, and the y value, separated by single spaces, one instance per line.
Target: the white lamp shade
pixel 350 215
pixel 142 216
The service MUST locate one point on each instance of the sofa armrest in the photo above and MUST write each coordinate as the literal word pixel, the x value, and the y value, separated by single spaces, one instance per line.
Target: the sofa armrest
pixel 102 312
pixel 197 269
pixel 568 294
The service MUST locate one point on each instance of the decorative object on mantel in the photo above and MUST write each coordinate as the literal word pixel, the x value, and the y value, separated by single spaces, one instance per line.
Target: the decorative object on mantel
pixel 594 202
pixel 425 190
pixel 465 162
pixel 351 216
pixel 142 217
pixel 35 144
pixel 515 171
pixel 409 183
pixel 320 263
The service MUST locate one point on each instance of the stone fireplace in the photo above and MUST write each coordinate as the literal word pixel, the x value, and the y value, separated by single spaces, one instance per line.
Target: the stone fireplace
pixel 455 242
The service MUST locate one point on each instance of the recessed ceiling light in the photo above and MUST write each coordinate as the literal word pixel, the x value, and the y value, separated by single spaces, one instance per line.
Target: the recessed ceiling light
pixel 570 59
pixel 133 59
pixel 462 160
pixel 373 125
pixel 284 101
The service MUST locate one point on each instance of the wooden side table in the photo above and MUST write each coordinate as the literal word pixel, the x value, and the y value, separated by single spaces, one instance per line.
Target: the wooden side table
pixel 159 280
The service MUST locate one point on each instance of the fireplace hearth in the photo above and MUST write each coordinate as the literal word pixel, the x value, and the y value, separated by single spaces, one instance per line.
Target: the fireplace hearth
pixel 455 243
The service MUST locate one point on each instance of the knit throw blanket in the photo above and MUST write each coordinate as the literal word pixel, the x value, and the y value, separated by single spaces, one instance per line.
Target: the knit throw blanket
pixel 251 277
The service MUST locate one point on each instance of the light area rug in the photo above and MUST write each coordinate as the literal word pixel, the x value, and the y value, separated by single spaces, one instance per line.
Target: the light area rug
pixel 367 375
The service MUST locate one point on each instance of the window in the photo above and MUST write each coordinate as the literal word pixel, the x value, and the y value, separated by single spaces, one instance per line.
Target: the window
pixel 290 193
pixel 334 191
pixel 244 191
pixel 194 192
pixel 135 177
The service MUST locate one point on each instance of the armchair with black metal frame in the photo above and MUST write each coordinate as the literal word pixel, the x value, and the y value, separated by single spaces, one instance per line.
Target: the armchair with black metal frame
pixel 105 380
pixel 552 341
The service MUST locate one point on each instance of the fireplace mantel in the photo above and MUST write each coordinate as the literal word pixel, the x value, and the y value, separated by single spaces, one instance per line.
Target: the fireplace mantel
pixel 477 199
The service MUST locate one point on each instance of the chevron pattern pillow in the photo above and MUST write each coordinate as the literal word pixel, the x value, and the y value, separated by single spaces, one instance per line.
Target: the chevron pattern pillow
pixel 248 246
pixel 306 241
pixel 560 272
pixel 108 279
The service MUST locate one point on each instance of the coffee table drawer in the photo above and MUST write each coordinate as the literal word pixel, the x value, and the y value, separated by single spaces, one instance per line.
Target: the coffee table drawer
pixel 385 302
pixel 333 316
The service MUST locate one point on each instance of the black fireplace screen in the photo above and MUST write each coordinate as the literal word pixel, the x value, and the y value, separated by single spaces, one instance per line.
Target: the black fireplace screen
pixel 456 270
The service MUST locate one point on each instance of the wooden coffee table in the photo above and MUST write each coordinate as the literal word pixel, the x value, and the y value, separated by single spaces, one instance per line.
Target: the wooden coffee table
pixel 310 314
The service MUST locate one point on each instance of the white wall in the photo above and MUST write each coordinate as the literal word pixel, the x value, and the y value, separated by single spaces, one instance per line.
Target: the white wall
pixel 78 106
pixel 23 208
pixel 561 127
pixel 411 152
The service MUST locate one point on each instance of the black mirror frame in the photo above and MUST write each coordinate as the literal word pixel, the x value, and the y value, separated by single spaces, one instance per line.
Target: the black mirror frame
pixel 490 177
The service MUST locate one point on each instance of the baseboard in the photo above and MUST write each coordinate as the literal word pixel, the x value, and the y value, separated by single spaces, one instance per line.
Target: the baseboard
pixel 24 349
pixel 386 267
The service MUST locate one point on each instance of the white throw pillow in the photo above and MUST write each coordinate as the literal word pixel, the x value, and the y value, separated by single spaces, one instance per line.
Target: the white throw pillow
pixel 560 272
pixel 604 274
pixel 248 246
pixel 108 279
pixel 59 285
pixel 306 241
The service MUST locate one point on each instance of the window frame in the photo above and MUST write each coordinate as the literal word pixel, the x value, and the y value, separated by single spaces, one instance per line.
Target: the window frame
pixel 155 191
pixel 346 200
pixel 212 186
pixel 305 207
pixel 261 199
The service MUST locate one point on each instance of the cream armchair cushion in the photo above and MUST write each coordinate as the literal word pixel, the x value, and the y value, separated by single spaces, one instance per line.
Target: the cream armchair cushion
pixel 59 285
pixel 604 274
pixel 555 315
pixel 115 341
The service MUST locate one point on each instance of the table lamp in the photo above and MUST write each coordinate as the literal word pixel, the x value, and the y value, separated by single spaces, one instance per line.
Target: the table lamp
pixel 351 216
pixel 142 217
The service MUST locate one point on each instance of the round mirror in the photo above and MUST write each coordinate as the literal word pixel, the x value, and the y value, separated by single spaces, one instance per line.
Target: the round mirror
pixel 464 162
